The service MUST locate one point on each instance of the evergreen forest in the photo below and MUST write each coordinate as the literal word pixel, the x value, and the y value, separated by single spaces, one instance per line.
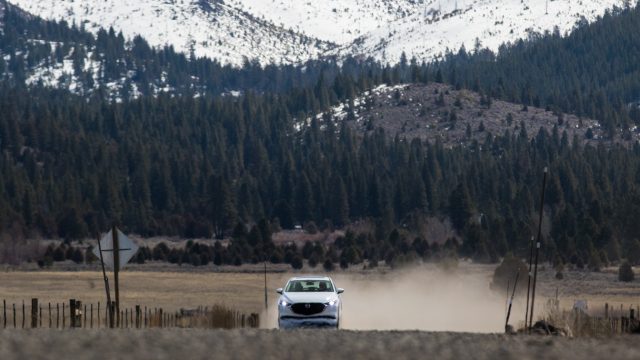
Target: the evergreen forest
pixel 236 167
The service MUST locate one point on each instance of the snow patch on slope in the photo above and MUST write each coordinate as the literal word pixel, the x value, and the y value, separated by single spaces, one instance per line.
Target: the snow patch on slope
pixel 447 25
pixel 208 28
pixel 293 31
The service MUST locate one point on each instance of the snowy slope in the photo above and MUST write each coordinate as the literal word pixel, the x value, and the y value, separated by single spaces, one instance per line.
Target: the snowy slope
pixel 207 27
pixel 290 31
pixel 449 24
pixel 338 21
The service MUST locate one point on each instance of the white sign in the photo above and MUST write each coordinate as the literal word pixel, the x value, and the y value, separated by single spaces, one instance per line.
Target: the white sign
pixel 126 249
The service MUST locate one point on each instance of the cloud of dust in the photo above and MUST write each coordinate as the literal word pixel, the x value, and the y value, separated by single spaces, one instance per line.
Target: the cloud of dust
pixel 423 298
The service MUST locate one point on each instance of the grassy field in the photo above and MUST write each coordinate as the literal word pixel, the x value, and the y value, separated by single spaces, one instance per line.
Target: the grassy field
pixel 299 344
pixel 424 298
pixel 169 290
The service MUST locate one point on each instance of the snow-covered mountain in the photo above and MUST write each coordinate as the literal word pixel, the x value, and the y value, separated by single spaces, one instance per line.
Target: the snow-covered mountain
pixel 290 31
pixel 209 28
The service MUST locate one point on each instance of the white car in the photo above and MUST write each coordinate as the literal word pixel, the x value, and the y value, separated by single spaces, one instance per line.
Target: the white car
pixel 309 301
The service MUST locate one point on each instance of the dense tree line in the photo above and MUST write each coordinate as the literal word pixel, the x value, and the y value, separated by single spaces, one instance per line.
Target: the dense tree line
pixel 218 166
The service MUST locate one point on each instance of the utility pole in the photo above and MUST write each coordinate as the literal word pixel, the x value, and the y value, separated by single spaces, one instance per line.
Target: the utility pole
pixel 116 268
pixel 526 313
pixel 513 294
pixel 535 271
pixel 106 285
pixel 266 303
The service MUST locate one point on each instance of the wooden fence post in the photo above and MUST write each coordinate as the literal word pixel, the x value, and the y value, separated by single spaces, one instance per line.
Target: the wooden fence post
pixel 14 315
pixel 72 312
pixel 137 316
pixel 112 313
pixel 64 318
pixel 98 314
pixel 57 315
pixel 77 316
pixel 4 313
pixel 49 315
pixel 34 313
pixel 91 322
pixel 84 316
pixel 23 314
pixel 40 315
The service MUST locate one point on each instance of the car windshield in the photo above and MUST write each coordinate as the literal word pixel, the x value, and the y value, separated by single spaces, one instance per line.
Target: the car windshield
pixel 309 286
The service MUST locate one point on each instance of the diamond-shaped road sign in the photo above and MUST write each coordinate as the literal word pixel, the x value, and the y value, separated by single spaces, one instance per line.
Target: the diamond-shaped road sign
pixel 126 246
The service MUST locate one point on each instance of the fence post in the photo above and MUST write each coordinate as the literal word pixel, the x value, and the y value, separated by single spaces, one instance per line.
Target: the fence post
pixel 72 312
pixel 91 322
pixel 40 315
pixel 64 318
pixel 98 314
pixel 34 313
pixel 23 314
pixel 78 314
pixel 161 318
pixel 49 315
pixel 57 315
pixel 84 316
pixel 606 310
pixel 14 315
pixel 4 313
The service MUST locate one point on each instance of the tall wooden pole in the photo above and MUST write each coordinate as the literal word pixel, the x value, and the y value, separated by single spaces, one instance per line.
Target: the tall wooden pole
pixel 529 274
pixel 513 294
pixel 116 269
pixel 535 269
pixel 266 303
pixel 106 287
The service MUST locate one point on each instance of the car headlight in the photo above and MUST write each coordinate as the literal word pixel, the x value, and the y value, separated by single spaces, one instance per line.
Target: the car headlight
pixel 283 303
pixel 333 302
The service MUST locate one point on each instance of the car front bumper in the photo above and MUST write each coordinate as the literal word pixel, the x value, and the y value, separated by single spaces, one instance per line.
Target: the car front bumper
pixel 289 322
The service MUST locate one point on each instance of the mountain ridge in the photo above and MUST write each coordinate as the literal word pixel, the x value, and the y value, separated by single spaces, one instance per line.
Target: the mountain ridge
pixel 291 32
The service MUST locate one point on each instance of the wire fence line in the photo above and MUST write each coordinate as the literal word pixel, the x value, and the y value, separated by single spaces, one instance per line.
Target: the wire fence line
pixel 75 314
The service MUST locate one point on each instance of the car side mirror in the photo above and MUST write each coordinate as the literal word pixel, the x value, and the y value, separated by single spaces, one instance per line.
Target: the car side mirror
pixel 279 291
pixel 340 290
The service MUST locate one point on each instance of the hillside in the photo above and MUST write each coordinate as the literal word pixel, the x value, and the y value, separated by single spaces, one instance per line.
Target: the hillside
pixel 208 28
pixel 438 112
pixel 44 53
pixel 291 31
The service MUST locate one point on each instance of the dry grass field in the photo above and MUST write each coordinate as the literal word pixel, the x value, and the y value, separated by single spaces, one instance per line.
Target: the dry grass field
pixel 168 290
pixel 425 298
pixel 302 344
pixel 450 308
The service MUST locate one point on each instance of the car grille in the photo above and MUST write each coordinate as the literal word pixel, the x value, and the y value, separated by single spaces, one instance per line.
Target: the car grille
pixel 307 308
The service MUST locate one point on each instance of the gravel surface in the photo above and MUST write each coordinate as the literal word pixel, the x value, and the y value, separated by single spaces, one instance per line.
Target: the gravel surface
pixel 301 344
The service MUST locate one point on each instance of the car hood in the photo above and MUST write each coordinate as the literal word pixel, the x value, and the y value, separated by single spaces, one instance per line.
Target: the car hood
pixel 309 297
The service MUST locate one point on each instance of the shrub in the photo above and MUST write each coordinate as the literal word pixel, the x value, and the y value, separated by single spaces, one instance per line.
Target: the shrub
pixel 296 262
pixel 595 262
pixel 328 265
pixel 506 272
pixel 311 228
pixel 625 272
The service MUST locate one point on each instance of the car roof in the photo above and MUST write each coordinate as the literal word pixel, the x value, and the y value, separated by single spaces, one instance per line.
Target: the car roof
pixel 310 277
